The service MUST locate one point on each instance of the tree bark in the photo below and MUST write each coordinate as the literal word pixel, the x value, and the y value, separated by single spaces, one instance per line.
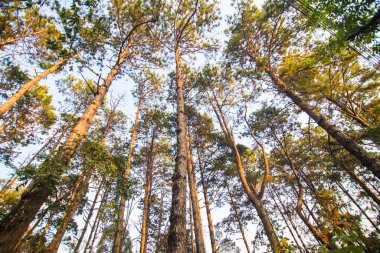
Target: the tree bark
pixel 198 228
pixel 147 196
pixel 77 247
pixel 16 223
pixel 177 229
pixel 253 196
pixel 207 204
pixel 191 228
pixel 116 248
pixel 18 94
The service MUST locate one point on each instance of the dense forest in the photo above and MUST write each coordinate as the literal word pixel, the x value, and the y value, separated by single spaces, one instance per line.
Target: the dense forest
pixel 189 126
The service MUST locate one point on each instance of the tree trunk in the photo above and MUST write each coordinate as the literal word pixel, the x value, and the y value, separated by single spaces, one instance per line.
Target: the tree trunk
pixel 177 229
pixel 94 227
pixel 147 196
pixel 372 163
pixel 16 223
pixel 160 218
pixel 253 196
pixel 116 248
pixel 77 247
pixel 18 94
pixel 199 240
pixel 207 204
pixel 191 228
pixel 237 218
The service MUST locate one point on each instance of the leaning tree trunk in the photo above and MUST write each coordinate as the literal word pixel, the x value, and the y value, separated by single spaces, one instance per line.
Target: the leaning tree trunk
pixel 77 247
pixel 252 195
pixel 120 221
pixel 177 229
pixel 207 204
pixel 16 223
pixel 195 202
pixel 372 163
pixel 237 218
pixel 18 94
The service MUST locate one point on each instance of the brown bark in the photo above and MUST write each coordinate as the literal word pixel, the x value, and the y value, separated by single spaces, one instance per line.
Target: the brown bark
pixel 160 219
pixel 147 196
pixel 15 224
pixel 77 247
pixel 199 240
pixel 372 163
pixel 253 196
pixel 18 94
pixel 207 204
pixel 191 228
pixel 237 217
pixel 116 248
pixel 177 229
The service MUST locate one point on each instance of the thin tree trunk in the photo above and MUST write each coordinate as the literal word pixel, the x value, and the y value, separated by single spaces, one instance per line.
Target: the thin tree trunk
pixel 116 248
pixel 207 204
pixel 16 223
pixel 147 196
pixel 191 228
pixel 237 217
pixel 372 163
pixel 359 207
pixel 195 202
pixel 282 213
pixel 18 94
pixel 77 247
pixel 177 229
pixel 160 218
pixel 253 196
pixel 94 228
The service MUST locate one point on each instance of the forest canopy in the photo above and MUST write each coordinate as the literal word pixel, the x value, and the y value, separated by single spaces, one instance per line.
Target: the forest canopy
pixel 189 126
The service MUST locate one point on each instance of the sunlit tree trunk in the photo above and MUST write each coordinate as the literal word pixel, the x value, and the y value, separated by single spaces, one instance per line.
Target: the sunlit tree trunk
pixel 191 228
pixel 16 96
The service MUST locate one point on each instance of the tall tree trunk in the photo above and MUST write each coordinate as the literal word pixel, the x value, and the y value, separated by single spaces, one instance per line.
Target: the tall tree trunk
pixel 237 217
pixel 116 248
pixel 95 225
pixel 160 219
pixel 372 163
pixel 147 196
pixel 77 247
pixel 253 196
pixel 191 228
pixel 18 94
pixel 177 229
pixel 16 223
pixel 207 204
pixel 198 227
pixel 80 190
